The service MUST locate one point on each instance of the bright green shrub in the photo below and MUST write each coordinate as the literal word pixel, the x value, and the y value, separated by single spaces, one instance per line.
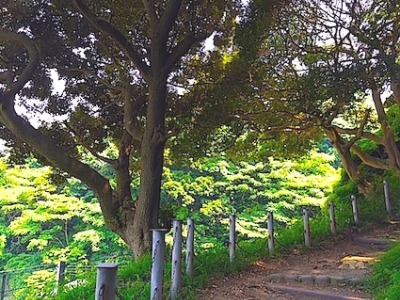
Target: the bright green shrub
pixel 385 279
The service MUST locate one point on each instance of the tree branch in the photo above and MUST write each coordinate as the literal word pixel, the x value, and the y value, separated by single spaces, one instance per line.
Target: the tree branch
pixel 181 49
pixel 26 75
pixel 130 123
pixel 360 130
pixel 395 87
pixel 148 5
pixel 115 35
pixel 46 146
pixel 353 131
pixel 168 19
pixel 370 160
pixel 92 74
pixel 81 140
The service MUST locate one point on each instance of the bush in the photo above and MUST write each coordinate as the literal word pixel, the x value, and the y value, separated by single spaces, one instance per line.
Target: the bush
pixel 385 280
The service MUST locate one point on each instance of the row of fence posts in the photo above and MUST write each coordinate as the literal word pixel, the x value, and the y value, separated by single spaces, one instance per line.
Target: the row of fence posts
pixel 158 259
pixel 106 284
pixel 388 204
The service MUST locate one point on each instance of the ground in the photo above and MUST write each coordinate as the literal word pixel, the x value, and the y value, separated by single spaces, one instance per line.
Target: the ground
pixel 333 270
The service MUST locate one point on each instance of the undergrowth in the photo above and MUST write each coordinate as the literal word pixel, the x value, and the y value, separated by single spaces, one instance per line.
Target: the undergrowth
pixel 385 280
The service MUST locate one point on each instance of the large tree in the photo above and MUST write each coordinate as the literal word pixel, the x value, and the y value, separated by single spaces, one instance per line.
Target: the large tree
pixel 117 60
pixel 310 75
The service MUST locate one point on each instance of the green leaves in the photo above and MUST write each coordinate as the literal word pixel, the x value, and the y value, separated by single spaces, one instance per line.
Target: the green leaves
pixel 50 222
pixel 210 189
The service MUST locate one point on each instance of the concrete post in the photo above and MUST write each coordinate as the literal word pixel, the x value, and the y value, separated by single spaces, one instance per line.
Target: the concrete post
pixel 190 248
pixel 106 282
pixel 176 275
pixel 157 267
pixel 271 240
pixel 386 190
pixel 3 285
pixel 232 237
pixel 60 274
pixel 307 231
pixel 354 204
pixel 332 218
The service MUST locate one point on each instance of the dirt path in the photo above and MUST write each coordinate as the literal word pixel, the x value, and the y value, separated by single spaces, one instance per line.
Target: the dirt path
pixel 334 270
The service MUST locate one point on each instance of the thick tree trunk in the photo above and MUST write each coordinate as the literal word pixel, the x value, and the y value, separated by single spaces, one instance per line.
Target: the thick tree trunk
pixel 152 160
pixel 148 204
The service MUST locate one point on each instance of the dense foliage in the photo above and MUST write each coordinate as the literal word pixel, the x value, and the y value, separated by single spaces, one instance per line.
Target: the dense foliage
pixel 309 74
pixel 213 188
pixel 45 223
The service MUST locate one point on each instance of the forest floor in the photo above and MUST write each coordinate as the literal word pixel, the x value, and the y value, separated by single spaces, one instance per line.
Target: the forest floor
pixel 333 270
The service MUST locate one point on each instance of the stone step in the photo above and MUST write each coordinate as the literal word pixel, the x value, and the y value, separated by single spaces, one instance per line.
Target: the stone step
pixel 374 242
pixel 314 279
pixel 301 293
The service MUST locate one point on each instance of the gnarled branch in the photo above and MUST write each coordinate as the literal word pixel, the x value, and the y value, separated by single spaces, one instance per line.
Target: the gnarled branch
pixel 370 160
pixel 13 88
pixel 359 132
pixel 353 131
pixel 115 35
pixel 57 156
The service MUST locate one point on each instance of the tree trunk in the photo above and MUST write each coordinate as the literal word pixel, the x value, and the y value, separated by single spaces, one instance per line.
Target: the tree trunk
pixel 148 204
pixel 152 161
pixel 344 154
pixel 388 135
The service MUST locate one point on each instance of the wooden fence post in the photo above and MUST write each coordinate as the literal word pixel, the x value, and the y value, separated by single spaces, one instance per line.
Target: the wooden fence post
pixel 354 205
pixel 106 282
pixel 3 285
pixel 386 190
pixel 176 275
pixel 271 241
pixel 232 237
pixel 307 231
pixel 190 248
pixel 157 267
pixel 332 218
pixel 60 274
